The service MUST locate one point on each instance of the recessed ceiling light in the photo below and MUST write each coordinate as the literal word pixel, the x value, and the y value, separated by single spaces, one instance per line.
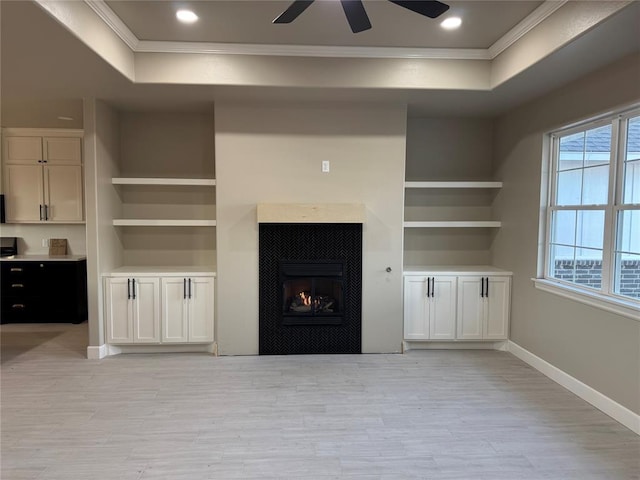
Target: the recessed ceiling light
pixel 68 119
pixel 451 23
pixel 186 16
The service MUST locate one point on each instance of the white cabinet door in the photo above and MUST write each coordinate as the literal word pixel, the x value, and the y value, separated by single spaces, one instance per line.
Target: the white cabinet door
pixel 24 193
pixel 429 308
pixel 63 193
pixel 416 326
pixel 470 308
pixel 62 150
pixel 201 293
pixel 175 325
pixel 118 310
pixel 146 310
pixel 442 308
pixel 25 150
pixel 496 325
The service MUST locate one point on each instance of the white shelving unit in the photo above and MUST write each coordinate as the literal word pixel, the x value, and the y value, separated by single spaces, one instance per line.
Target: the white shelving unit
pixel 453 184
pixel 194 182
pixel 190 184
pixel 439 223
pixel 145 222
pixel 454 224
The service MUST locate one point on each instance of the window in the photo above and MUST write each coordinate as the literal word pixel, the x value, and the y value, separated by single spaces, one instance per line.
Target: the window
pixel 593 211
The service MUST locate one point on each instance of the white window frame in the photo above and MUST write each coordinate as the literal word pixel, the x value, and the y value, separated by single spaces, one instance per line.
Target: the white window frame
pixel 604 298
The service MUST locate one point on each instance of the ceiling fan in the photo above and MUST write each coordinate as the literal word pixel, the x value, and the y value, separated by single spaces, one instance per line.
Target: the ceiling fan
pixel 356 14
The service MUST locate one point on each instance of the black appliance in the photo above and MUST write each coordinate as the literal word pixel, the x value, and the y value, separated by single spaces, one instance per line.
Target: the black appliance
pixel 8 246
pixel 2 217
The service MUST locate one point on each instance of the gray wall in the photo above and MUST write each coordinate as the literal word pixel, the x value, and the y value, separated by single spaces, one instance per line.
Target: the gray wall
pixel 598 348
pixel 269 154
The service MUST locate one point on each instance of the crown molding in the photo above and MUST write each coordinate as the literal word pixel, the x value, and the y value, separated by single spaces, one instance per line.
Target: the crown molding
pixel 114 22
pixel 109 17
pixel 146 46
pixel 526 25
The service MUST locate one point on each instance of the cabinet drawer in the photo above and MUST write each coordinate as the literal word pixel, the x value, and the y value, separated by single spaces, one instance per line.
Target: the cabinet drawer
pixel 19 310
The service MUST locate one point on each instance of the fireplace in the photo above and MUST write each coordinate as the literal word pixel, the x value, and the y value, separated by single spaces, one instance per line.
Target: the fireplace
pixel 312 292
pixel 310 288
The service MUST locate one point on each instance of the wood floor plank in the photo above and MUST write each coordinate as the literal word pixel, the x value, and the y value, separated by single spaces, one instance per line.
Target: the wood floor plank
pixel 425 414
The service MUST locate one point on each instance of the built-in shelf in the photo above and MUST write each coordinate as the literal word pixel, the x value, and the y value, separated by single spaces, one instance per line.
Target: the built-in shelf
pixel 453 184
pixel 153 270
pixel 195 182
pixel 454 224
pixel 132 222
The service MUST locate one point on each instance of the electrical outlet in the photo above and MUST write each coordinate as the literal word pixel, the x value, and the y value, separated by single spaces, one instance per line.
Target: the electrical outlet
pixel 325 166
pixel 45 242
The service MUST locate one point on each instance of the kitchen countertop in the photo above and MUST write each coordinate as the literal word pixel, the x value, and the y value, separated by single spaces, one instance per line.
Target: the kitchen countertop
pixel 43 258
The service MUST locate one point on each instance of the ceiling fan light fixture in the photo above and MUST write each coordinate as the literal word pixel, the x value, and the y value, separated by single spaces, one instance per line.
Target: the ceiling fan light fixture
pixel 186 16
pixel 451 23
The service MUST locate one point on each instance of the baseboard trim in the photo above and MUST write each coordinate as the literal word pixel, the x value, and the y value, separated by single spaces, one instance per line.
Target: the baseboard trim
pixel 409 345
pixel 603 403
pixel 96 353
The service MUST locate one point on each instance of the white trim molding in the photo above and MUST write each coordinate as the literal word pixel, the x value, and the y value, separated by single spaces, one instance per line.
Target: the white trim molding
pixel 604 302
pixel 603 403
pixel 97 353
pixel 108 16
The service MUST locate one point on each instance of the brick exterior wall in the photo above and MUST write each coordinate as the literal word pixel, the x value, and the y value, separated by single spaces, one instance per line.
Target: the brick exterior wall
pixel 589 273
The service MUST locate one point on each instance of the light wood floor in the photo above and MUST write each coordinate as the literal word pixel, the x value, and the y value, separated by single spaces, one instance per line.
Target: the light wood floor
pixel 434 414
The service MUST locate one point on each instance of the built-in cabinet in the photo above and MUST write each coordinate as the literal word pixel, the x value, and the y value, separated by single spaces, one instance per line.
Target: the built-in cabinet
pixel 148 307
pixel 187 309
pixel 132 310
pixel 456 304
pixel 43 176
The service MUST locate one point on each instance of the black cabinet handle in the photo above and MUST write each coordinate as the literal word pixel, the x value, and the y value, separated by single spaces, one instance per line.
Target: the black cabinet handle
pixel 486 293
pixel 189 288
pixel 482 287
pixel 128 289
pixel 41 213
pixel 46 212
pixel 184 288
pixel 133 283
pixel 428 286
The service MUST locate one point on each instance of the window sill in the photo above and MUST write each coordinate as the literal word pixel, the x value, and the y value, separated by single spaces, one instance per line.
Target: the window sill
pixel 613 305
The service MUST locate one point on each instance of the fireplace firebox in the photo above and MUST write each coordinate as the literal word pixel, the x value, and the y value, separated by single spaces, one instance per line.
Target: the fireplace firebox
pixel 312 292
pixel 310 288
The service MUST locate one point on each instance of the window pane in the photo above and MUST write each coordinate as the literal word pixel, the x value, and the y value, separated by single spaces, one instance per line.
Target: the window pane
pixel 562 262
pixel 564 227
pixel 569 187
pixel 571 153
pixel 588 271
pixel 595 185
pixel 629 231
pixel 627 281
pixel 632 163
pixel 590 229
pixel 598 146
pixel 632 182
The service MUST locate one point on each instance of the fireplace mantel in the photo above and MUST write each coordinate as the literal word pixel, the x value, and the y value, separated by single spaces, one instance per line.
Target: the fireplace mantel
pixel 311 213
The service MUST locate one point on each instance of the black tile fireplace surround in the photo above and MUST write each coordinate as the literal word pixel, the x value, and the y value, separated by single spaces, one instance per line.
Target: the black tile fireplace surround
pixel 310 288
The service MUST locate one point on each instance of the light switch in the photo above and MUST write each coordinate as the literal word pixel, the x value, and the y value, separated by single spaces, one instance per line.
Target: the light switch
pixel 325 166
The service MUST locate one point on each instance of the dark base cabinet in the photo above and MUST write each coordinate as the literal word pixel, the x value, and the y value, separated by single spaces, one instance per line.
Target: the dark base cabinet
pixel 43 291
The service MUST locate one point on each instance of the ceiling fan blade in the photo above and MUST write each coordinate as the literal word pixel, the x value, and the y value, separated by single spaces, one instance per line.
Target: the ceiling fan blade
pixel 428 8
pixel 356 15
pixel 294 10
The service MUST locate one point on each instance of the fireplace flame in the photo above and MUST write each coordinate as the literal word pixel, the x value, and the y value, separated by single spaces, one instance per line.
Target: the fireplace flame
pixel 306 299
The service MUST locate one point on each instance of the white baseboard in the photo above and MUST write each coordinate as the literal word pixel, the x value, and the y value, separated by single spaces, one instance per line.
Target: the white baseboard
pixel 96 353
pixel 408 345
pixel 612 408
